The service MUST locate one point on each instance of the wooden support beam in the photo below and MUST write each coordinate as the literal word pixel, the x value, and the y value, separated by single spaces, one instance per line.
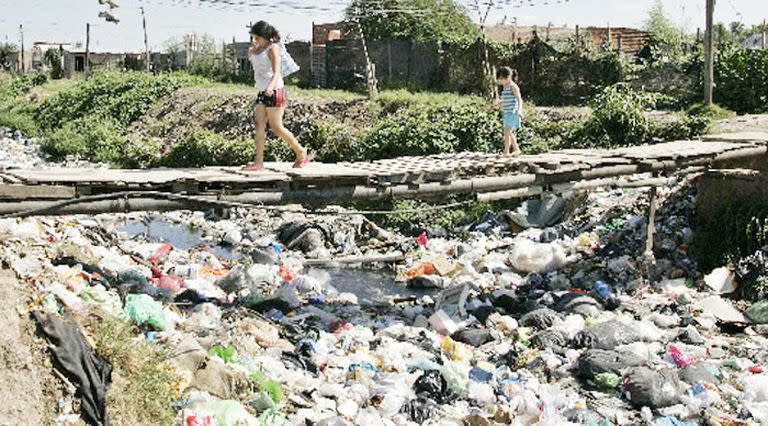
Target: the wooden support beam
pixel 35 192
pixel 648 254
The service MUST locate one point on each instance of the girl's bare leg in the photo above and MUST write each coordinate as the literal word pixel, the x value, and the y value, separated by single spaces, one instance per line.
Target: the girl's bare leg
pixel 513 141
pixel 507 141
pixel 260 124
pixel 275 116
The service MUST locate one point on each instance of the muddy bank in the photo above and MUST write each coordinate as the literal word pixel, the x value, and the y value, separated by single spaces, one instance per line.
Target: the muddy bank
pixel 30 390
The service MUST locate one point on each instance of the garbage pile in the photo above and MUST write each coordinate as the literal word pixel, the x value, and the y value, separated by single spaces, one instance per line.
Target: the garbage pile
pixel 511 325
pixel 18 151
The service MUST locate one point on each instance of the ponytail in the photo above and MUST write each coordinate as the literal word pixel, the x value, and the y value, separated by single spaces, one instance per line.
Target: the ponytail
pixel 265 30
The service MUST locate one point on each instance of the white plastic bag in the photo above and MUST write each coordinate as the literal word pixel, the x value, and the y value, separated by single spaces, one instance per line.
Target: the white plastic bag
pixel 287 65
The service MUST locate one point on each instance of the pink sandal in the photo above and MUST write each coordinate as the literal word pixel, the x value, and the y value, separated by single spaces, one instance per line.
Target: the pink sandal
pixel 299 164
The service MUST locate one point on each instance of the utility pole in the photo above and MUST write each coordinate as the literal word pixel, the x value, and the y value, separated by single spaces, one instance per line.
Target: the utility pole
pixel 23 58
pixel 765 34
pixel 709 57
pixel 87 49
pixel 146 43
pixel 578 38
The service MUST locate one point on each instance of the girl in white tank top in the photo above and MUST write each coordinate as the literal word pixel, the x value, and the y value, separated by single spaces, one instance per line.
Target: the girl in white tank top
pixel 264 54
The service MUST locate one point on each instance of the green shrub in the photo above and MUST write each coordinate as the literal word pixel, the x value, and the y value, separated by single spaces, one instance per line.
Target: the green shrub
pixel 142 154
pixel 411 223
pixel 331 140
pixel 121 96
pixel 15 112
pixel 392 101
pixel 91 138
pixel 741 77
pixel 18 120
pixel 715 112
pixel 144 385
pixel 24 83
pixel 543 131
pixel 426 129
pixel 618 117
pixel 205 148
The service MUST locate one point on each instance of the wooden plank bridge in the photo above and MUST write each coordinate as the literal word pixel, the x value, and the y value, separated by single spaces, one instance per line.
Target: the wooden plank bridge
pixel 485 176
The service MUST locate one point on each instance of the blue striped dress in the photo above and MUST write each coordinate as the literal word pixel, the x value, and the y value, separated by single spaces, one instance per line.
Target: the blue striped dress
pixel 509 105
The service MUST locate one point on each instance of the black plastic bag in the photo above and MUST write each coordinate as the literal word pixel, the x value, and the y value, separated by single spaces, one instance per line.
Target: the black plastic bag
pixel 655 389
pixel 80 364
pixel 432 385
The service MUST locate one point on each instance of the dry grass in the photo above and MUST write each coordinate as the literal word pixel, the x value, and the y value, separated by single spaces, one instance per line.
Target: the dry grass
pixel 143 386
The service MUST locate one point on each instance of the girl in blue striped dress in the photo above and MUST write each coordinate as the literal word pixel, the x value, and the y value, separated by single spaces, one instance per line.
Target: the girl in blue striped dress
pixel 512 104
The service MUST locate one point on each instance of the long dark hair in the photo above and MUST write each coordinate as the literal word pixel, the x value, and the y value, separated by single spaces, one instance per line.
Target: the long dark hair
pixel 505 72
pixel 264 30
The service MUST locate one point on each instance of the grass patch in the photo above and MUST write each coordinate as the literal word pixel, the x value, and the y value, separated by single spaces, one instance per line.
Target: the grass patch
pixel 714 112
pixel 143 385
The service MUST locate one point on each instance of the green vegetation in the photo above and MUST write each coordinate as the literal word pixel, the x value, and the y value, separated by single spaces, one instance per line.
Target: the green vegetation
pixel 144 386
pixel 121 96
pixel 271 387
pixel 53 59
pixel 14 113
pixel 440 20
pixel 428 129
pixel 742 79
pixel 411 223
pixel 7 51
pixel 666 38
pixel 90 119
pixel 98 139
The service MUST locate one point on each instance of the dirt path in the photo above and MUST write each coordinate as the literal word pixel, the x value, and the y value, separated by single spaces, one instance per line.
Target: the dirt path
pixel 744 123
pixel 28 387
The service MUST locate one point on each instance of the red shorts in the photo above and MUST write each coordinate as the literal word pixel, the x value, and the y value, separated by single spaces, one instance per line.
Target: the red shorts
pixel 277 100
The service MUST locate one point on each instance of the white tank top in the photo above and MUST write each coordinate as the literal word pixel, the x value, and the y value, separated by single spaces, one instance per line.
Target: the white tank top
pixel 262 69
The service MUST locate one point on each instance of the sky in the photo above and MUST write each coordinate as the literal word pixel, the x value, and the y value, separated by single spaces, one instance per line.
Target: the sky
pixel 65 20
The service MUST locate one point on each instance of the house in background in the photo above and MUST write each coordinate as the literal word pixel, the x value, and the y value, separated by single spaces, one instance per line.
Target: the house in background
pixel 40 48
pixel 628 40
pixel 321 35
pixel 74 61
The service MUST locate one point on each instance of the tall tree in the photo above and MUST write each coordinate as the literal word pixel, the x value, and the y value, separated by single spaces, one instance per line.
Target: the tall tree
pixel 424 20
pixel 7 50
pixel 661 28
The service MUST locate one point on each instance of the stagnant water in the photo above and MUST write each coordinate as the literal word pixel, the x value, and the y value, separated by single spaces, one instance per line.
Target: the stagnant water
pixel 369 285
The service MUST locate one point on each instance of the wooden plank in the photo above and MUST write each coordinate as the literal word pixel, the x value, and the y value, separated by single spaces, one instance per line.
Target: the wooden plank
pixel 35 192
pixel 4 177
pixel 110 176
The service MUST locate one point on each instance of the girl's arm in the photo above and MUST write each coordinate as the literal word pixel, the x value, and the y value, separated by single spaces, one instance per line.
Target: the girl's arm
pixel 519 96
pixel 274 57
